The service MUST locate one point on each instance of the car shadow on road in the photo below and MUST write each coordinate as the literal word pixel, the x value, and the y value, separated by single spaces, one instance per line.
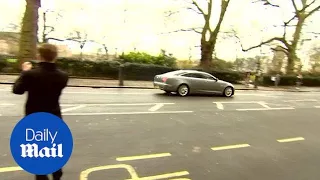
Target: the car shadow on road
pixel 191 96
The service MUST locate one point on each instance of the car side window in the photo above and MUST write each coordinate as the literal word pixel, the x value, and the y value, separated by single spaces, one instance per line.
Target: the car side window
pixel 206 76
pixel 194 75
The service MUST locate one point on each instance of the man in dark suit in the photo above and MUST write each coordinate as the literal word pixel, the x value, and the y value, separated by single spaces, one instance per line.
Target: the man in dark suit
pixel 44 85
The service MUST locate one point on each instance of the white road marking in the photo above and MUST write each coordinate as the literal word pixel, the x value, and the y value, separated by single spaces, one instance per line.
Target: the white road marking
pixel 127 113
pixel 127 104
pixel 6 104
pixel 291 139
pixel 317 106
pixel 131 158
pixel 301 100
pixel 106 93
pixel 230 147
pixel 219 105
pixel 73 108
pixel 264 105
pixel 156 107
pixel 265 109
pixel 237 102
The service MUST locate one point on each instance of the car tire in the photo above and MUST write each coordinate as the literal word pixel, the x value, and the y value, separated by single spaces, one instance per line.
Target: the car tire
pixel 228 92
pixel 183 90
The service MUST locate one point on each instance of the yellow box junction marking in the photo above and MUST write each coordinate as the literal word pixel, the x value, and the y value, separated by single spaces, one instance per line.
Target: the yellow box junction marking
pixel 10 169
pixel 134 176
pixel 84 174
pixel 130 158
pixel 291 139
pixel 230 147
pixel 163 176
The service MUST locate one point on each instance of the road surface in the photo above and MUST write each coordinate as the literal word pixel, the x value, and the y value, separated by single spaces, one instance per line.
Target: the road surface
pixel 144 134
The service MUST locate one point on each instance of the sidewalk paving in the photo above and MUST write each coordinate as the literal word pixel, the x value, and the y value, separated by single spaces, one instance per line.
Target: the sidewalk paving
pixel 101 83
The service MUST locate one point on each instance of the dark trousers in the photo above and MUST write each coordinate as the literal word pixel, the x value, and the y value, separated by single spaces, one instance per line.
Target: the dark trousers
pixel 56 176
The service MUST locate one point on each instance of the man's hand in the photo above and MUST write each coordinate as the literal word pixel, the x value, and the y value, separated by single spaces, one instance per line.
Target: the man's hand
pixel 26 66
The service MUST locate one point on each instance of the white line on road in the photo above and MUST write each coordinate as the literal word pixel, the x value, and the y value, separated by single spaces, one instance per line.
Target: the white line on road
pixel 131 158
pixel 106 93
pixel 266 109
pixel 301 100
pixel 264 105
pixel 219 105
pixel 127 113
pixel 128 104
pixel 230 147
pixel 6 104
pixel 291 139
pixel 156 107
pixel 73 108
pixel 237 102
pixel 317 106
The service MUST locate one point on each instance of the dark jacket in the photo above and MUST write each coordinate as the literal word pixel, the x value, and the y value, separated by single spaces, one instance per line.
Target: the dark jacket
pixel 44 85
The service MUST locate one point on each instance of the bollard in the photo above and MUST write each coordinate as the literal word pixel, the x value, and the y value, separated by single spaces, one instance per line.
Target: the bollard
pixel 121 75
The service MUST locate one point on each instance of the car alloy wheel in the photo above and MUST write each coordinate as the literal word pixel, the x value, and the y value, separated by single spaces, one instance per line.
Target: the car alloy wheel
pixel 183 90
pixel 228 91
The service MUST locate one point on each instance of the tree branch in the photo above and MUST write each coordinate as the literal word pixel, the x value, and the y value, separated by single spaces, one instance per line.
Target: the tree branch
pixel 189 8
pixel 198 7
pixel 267 3
pixel 280 39
pixel 295 6
pixel 282 49
pixel 224 6
pixel 313 11
pixel 185 30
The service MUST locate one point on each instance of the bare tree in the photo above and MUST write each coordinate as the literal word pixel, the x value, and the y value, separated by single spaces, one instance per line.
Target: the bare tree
pixel 81 38
pixel 208 34
pixel 289 47
pixel 48 29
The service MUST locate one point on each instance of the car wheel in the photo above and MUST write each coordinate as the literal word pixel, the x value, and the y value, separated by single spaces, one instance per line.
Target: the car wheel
pixel 183 90
pixel 228 91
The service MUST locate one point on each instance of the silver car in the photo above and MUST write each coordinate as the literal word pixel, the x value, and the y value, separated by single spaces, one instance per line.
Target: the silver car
pixel 185 82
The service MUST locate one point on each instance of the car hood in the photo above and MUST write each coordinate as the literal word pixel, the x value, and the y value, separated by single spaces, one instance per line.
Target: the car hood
pixel 225 82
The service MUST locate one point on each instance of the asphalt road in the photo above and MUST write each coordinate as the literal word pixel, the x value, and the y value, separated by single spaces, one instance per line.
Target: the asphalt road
pixel 144 134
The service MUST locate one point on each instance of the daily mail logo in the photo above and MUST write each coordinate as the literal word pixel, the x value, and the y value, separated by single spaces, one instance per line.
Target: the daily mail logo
pixel 32 150
pixel 41 143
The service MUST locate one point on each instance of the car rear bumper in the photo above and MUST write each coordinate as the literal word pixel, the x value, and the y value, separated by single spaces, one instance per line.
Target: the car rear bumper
pixel 163 86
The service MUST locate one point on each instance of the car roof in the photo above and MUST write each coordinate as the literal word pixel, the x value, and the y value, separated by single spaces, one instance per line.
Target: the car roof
pixel 179 72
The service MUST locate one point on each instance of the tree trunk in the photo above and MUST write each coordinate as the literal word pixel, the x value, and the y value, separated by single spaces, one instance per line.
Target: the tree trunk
pixel 29 32
pixel 206 54
pixel 292 58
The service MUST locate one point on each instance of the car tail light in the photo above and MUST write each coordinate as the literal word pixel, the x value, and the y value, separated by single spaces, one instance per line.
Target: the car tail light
pixel 164 79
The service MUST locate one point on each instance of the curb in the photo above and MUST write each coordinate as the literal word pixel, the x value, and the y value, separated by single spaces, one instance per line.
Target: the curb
pixel 141 87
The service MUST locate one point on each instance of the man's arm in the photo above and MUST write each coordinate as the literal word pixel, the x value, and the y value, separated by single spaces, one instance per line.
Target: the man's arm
pixel 20 86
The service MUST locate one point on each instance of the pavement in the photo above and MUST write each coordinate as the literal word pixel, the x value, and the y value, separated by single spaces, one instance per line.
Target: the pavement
pixel 147 135
pixel 109 83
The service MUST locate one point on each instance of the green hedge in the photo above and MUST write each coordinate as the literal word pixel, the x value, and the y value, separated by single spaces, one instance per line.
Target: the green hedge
pixel 291 80
pixel 110 69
